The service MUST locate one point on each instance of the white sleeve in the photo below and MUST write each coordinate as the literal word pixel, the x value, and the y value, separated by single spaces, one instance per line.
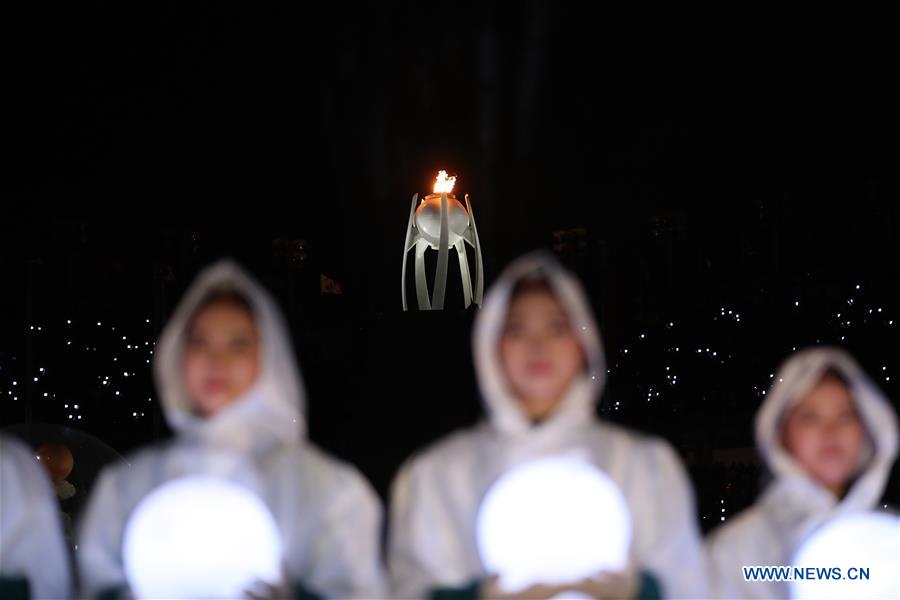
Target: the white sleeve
pixel 99 554
pixel 344 553
pixel 674 554
pixel 747 539
pixel 424 548
pixel 31 537
pixel 721 564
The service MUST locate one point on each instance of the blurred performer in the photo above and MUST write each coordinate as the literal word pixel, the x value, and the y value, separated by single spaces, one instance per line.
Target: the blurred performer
pixel 226 374
pixel 829 437
pixel 34 560
pixel 541 370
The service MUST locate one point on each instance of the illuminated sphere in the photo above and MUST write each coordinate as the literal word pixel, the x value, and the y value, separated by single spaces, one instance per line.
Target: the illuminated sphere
pixel 57 459
pixel 428 219
pixel 200 537
pixel 556 520
pixel 866 540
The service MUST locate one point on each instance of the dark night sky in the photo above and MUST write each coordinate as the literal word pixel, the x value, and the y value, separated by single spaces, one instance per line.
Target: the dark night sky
pixel 320 122
pixel 715 155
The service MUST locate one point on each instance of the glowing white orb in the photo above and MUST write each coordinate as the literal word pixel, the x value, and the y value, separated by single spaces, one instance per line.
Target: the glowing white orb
pixel 200 537
pixel 554 520
pixel 869 541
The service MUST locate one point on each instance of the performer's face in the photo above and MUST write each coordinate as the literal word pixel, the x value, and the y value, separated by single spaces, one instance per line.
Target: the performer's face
pixel 539 352
pixel 221 359
pixel 824 433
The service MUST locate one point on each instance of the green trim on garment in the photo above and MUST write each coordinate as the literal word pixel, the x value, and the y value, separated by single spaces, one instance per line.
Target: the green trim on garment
pixel 113 593
pixel 650 588
pixel 302 592
pixel 467 592
pixel 14 588
pixel 116 593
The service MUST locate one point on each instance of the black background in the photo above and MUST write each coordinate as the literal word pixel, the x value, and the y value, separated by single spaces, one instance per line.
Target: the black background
pixel 681 158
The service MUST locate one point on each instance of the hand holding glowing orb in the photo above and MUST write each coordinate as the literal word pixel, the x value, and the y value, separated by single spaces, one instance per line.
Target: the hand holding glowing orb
pixel 200 537
pixel 556 520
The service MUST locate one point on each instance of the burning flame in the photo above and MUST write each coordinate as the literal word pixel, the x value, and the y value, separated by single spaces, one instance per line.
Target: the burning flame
pixel 444 183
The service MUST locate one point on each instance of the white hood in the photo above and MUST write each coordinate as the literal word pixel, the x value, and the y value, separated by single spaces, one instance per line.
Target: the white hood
pixel 794 497
pixel 269 413
pixel 502 408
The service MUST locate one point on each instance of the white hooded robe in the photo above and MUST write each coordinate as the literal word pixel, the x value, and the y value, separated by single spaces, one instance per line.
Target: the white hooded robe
pixel 794 505
pixel 32 544
pixel 436 495
pixel 327 513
